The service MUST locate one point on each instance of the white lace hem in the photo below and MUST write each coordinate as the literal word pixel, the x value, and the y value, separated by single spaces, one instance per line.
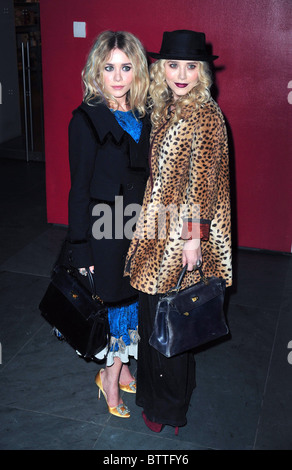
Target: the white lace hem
pixel 123 354
pixel 123 351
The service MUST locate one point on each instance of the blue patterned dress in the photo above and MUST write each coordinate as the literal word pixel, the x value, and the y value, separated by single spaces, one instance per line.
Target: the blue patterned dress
pixel 123 319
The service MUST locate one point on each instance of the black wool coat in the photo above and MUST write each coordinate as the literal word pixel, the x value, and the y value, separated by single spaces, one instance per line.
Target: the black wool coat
pixel 107 167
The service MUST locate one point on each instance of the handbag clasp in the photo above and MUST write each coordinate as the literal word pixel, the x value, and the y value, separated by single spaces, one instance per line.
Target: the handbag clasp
pixel 96 297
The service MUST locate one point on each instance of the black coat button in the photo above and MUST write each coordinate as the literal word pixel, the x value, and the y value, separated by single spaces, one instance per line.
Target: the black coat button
pixel 130 186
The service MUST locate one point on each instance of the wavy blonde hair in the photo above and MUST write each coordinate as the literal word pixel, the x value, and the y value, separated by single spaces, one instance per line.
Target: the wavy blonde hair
pixel 92 74
pixel 161 96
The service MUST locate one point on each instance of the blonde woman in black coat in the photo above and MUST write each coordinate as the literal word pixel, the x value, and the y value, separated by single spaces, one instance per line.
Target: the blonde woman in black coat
pixel 108 149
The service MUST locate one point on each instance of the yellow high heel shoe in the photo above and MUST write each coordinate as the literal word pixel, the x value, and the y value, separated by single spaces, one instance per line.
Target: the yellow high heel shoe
pixel 130 388
pixel 121 411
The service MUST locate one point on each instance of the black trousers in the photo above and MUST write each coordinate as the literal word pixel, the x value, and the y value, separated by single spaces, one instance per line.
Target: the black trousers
pixel 164 385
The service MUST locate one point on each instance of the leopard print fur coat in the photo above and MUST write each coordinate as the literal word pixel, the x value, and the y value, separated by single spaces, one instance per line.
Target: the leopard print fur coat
pixel 187 193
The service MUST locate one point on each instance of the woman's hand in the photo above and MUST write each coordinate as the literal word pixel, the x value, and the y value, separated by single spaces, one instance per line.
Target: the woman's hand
pixel 192 254
pixel 83 271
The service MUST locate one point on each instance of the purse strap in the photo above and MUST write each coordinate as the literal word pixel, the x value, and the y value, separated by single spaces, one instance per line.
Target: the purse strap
pixel 92 286
pixel 182 273
pixel 91 281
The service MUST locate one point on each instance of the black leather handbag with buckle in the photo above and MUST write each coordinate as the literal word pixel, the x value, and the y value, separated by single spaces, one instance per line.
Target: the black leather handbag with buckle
pixel 189 318
pixel 78 314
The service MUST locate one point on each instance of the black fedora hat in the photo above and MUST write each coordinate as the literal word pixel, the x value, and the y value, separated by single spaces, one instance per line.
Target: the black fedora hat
pixel 183 44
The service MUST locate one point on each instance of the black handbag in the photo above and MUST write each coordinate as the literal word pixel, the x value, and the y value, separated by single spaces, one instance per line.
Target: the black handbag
pixel 188 318
pixel 78 314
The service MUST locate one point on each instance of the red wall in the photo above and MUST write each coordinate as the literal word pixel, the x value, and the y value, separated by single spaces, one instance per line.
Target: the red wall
pixel 253 41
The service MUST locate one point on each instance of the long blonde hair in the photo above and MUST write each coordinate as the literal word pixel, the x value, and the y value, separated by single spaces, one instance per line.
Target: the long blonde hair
pixel 92 74
pixel 161 95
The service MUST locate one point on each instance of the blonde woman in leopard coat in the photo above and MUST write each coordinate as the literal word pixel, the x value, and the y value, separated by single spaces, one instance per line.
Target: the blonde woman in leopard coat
pixel 185 217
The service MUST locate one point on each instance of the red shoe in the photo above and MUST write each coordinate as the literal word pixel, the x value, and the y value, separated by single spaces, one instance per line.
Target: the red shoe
pixel 155 427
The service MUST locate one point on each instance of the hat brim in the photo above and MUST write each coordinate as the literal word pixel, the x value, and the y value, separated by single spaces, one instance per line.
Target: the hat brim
pixel 203 58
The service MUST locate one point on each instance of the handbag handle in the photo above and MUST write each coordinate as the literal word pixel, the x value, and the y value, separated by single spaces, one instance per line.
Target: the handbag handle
pixel 92 286
pixel 91 281
pixel 182 273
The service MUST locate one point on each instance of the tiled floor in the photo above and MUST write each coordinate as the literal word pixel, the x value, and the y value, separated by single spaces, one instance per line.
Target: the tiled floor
pixel 48 398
